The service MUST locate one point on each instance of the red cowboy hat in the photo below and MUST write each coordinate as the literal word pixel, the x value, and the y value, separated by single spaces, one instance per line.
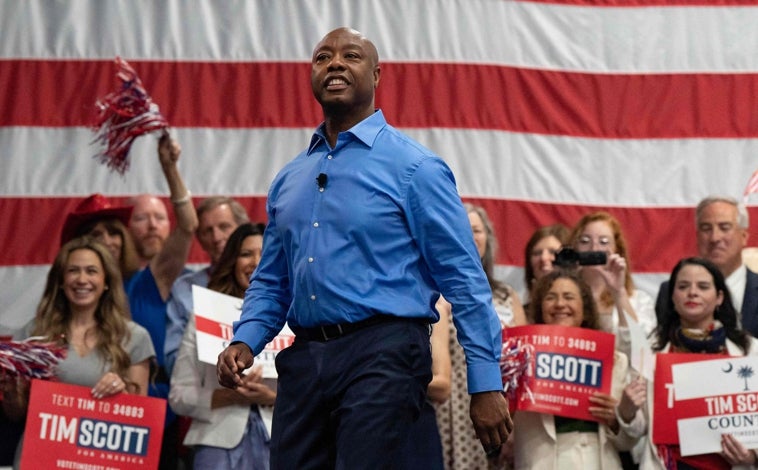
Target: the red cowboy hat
pixel 93 207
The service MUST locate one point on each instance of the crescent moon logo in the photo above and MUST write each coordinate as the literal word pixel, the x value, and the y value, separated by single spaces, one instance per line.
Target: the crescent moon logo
pixel 728 368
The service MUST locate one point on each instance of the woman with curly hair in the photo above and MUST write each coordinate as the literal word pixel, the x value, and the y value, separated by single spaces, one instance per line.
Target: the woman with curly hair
pixel 547 441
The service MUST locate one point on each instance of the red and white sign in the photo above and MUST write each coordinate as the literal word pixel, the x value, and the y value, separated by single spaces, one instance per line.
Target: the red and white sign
pixel 666 406
pixel 569 365
pixel 716 397
pixel 266 358
pixel 67 428
pixel 215 313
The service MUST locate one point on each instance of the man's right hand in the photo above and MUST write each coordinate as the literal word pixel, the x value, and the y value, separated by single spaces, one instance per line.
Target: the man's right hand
pixel 231 362
pixel 492 421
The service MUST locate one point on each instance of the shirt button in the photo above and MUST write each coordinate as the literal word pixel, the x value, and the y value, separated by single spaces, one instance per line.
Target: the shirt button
pixel 310 260
pixel 313 297
pixel 321 190
pixel 329 157
pixel 315 224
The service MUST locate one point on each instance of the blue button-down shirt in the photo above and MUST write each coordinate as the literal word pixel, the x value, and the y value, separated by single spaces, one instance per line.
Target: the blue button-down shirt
pixel 179 308
pixel 383 232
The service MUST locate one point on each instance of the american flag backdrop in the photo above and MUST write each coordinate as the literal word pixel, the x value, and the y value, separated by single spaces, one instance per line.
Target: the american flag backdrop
pixel 544 109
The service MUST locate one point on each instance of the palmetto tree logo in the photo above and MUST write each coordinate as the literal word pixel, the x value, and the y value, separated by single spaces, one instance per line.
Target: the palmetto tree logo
pixel 745 372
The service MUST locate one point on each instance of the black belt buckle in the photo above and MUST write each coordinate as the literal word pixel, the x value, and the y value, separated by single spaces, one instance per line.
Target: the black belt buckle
pixel 326 334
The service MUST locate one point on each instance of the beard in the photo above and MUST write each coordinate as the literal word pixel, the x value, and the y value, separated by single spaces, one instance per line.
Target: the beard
pixel 150 248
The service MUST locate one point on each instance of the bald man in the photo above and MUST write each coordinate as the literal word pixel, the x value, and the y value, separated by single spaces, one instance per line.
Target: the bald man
pixel 149 226
pixel 366 228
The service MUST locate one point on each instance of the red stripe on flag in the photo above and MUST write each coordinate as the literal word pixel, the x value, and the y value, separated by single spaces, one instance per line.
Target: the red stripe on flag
pixel 246 95
pixel 657 237
pixel 27 242
pixel 212 327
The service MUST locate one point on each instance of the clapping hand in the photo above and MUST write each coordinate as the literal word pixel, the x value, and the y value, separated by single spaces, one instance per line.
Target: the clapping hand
pixel 633 398
pixel 254 390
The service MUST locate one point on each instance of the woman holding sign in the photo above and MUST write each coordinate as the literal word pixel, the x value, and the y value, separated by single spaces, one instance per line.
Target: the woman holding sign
pixel 84 308
pixel 227 430
pixel 546 441
pixel 700 318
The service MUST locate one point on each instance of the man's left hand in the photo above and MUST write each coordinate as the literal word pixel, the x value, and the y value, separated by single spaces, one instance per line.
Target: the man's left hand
pixel 492 421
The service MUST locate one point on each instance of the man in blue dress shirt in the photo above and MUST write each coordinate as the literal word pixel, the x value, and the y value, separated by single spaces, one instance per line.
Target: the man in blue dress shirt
pixel 365 229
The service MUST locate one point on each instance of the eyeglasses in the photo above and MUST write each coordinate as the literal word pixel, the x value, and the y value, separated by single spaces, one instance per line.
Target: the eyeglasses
pixel 586 240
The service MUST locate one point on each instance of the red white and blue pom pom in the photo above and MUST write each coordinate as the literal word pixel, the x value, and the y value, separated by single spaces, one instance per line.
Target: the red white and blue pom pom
pixel 516 369
pixel 123 116
pixel 29 359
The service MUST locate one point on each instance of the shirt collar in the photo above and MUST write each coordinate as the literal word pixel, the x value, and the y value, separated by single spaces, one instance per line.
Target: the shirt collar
pixel 736 283
pixel 365 131
pixel 738 274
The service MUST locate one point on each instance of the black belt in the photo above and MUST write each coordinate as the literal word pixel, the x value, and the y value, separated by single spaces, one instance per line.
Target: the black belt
pixel 330 332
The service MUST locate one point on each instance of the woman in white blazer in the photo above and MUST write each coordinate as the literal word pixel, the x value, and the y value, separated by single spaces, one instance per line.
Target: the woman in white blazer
pixel 227 431
pixel 700 318
pixel 544 441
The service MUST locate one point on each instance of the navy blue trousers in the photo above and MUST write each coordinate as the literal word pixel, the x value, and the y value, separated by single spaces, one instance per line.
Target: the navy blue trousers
pixel 348 403
pixel 423 446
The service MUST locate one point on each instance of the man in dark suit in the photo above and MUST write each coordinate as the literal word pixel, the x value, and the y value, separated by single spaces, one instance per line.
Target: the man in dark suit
pixel 722 232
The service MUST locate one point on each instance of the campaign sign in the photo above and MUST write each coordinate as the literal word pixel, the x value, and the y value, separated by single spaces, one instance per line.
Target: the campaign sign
pixel 664 402
pixel 67 428
pixel 215 313
pixel 266 358
pixel 569 364
pixel 716 397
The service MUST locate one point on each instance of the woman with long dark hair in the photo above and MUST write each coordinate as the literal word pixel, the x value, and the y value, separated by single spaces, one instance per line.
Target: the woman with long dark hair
pixel 699 319
pixel 227 431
